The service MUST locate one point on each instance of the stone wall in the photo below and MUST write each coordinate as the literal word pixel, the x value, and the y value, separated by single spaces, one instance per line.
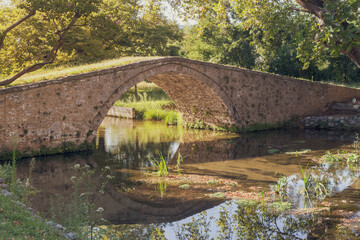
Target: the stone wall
pixel 332 122
pixel 70 109
pixel 122 112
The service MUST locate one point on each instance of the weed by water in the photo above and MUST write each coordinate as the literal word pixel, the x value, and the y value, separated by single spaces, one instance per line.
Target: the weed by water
pixel 340 157
pixel 160 165
pixel 281 187
pixel 178 163
pixel 79 214
pixel 313 186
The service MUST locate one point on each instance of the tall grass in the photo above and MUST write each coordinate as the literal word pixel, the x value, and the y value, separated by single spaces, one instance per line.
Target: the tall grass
pixel 152 103
pixel 160 165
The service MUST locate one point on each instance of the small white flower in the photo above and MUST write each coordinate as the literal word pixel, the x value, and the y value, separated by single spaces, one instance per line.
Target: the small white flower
pixel 100 210
pixel 76 166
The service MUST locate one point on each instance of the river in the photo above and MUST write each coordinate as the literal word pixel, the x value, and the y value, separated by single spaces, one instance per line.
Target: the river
pixel 138 204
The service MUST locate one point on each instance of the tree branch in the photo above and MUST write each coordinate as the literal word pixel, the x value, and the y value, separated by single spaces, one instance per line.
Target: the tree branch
pixel 7 30
pixel 300 10
pixel 49 58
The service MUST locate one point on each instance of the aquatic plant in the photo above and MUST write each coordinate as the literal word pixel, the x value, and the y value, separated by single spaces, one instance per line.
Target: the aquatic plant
pixel 160 165
pixel 332 158
pixel 280 206
pixel 184 186
pixel 178 163
pixel 313 186
pixel 245 202
pixel 213 181
pixel 217 195
pixel 162 189
pixel 340 157
pixel 281 187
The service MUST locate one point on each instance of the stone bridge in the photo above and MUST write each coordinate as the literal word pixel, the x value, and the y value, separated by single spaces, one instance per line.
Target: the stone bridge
pixel 70 109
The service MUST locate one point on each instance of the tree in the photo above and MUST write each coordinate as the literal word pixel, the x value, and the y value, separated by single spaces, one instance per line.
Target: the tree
pixel 80 31
pixel 60 16
pixel 334 24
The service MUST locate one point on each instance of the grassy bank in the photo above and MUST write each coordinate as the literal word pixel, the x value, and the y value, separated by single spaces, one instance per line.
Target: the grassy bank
pixel 151 103
pixel 16 221
pixel 50 72
pixel 66 70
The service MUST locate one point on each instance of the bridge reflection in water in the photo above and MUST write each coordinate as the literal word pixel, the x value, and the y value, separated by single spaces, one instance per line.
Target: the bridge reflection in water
pixel 126 145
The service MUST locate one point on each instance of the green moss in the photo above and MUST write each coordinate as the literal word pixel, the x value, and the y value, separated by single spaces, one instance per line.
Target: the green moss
pixel 213 182
pixel 291 123
pixel 194 109
pixel 217 195
pixel 89 133
pixel 184 186
pixel 246 203
pixel 280 206
pixel 66 147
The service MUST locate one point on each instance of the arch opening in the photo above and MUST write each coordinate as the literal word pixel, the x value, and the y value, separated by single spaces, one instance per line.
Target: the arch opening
pixel 199 100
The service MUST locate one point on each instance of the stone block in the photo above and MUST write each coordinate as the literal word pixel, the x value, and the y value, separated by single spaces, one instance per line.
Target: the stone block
pixel 123 112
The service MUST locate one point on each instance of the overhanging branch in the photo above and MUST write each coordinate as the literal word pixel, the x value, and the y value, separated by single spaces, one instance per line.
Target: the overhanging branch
pixel 49 58
pixel 7 30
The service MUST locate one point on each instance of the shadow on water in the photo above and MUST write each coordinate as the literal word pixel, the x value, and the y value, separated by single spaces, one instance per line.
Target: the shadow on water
pixel 256 159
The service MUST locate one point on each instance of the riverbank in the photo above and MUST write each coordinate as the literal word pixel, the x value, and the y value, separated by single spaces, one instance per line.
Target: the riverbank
pixel 150 103
pixel 17 221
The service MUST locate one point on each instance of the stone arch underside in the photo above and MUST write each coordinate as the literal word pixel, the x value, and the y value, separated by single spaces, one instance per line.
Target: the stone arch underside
pixel 194 99
pixel 197 97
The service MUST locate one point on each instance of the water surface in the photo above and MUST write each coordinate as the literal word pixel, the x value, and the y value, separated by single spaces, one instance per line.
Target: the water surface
pixel 137 204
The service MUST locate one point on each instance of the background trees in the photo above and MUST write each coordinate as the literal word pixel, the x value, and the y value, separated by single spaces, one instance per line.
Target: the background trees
pixel 34 33
pixel 296 38
pixel 313 39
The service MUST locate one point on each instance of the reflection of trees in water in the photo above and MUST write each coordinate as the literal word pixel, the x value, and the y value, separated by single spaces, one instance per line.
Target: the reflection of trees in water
pixel 136 155
pixel 250 221
pixel 335 178
pixel 245 221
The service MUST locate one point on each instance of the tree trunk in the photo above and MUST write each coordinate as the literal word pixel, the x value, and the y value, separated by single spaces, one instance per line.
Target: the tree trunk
pixel 354 55
pixel 316 7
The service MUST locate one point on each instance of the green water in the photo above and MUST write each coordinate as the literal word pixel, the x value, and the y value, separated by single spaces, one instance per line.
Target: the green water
pixel 138 207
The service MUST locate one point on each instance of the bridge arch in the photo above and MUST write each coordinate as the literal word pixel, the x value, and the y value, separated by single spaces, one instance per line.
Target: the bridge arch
pixel 196 95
